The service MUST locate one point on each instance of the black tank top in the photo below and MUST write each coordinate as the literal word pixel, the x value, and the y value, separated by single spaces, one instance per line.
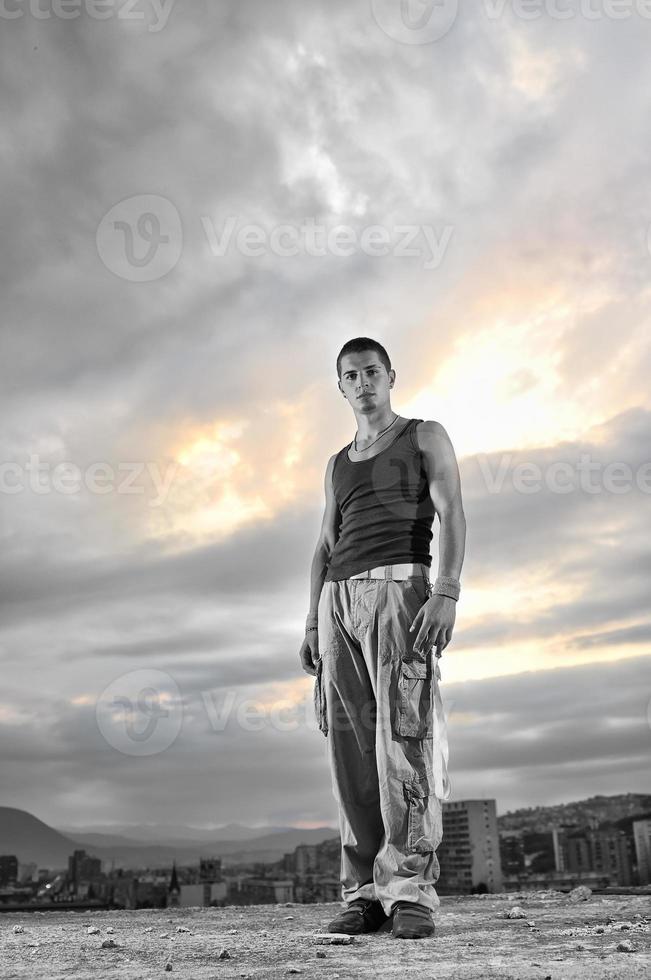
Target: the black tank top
pixel 386 508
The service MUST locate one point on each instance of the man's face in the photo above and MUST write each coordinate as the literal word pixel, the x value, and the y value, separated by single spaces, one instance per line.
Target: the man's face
pixel 364 381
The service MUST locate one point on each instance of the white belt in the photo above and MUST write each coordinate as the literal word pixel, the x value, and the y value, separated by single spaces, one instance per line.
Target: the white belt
pixel 405 570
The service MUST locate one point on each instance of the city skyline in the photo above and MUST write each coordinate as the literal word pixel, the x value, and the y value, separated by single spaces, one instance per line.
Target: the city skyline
pixel 602 842
pixel 516 153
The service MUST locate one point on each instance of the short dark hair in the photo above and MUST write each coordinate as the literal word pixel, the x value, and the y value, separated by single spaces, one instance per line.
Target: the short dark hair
pixel 359 344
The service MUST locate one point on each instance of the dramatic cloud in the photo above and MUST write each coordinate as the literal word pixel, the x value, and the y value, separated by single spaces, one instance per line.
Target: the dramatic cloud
pixel 535 737
pixel 164 441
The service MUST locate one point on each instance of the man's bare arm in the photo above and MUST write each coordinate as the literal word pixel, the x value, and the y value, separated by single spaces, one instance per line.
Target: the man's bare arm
pixel 445 490
pixel 434 622
pixel 325 544
pixel 309 652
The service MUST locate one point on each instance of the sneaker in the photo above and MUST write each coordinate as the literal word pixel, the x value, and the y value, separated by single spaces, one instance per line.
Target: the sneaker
pixel 412 921
pixel 361 915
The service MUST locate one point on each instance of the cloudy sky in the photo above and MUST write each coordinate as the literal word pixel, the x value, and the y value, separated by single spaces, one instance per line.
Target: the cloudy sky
pixel 201 203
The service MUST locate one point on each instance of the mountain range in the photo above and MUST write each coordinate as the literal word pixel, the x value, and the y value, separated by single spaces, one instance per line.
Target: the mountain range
pixel 30 839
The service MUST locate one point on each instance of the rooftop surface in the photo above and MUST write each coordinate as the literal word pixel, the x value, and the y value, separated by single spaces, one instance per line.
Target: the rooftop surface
pixel 601 937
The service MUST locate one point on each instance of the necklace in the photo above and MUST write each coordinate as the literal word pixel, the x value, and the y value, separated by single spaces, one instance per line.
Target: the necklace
pixel 376 438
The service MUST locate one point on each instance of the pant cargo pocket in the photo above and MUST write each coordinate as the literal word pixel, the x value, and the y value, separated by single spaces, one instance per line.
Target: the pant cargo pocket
pixel 413 716
pixel 420 819
pixel 319 698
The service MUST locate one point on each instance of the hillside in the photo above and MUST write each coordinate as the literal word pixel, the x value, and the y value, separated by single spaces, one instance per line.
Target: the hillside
pixel 30 839
pixel 594 811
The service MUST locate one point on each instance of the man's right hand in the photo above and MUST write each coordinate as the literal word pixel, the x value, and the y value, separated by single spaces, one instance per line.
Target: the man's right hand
pixel 309 652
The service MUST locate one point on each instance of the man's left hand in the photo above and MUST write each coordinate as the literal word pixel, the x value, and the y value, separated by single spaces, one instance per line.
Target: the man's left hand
pixel 434 622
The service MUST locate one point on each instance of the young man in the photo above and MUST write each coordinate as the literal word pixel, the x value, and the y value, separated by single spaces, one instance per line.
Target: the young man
pixel 373 624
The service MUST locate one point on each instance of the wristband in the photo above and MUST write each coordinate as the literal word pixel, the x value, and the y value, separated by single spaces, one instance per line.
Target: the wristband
pixel 308 629
pixel 448 586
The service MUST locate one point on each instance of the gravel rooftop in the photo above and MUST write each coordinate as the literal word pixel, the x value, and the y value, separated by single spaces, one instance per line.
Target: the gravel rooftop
pixel 550 937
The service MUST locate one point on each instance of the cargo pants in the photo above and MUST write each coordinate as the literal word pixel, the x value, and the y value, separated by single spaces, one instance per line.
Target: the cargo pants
pixel 378 703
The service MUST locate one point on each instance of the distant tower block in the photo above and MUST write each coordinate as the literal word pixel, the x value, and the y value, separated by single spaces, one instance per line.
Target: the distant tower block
pixel 642 837
pixel 173 892
pixel 469 854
